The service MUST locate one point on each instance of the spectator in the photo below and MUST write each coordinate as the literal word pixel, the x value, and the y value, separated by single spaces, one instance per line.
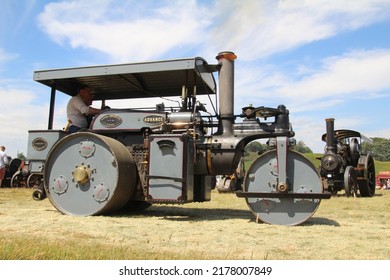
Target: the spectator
pixel 3 163
pixel 386 185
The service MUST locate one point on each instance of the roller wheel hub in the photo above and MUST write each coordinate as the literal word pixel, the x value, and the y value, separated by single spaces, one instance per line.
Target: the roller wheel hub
pixel 81 174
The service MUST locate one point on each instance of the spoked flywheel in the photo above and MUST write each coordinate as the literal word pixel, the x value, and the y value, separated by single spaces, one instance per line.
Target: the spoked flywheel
pixel 367 180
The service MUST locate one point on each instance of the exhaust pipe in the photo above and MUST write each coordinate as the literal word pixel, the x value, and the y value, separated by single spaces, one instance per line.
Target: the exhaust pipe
pixel 226 91
pixel 330 145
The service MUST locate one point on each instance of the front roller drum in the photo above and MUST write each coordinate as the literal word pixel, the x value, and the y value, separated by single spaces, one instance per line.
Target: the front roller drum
pixel 282 208
pixel 89 174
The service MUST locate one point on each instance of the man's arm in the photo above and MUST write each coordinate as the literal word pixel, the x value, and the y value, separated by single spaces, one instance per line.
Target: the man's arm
pixel 93 111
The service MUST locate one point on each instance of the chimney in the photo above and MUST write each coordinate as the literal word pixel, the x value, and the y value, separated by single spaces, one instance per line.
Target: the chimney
pixel 226 90
pixel 330 134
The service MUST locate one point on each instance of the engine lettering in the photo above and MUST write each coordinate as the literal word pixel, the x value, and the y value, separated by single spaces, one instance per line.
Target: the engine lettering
pixel 111 121
pixel 39 144
pixel 154 119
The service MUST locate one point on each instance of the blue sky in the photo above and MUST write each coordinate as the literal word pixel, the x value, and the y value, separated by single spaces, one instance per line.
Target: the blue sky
pixel 320 58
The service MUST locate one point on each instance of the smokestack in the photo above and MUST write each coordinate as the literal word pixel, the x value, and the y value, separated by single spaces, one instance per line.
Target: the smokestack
pixel 226 90
pixel 329 134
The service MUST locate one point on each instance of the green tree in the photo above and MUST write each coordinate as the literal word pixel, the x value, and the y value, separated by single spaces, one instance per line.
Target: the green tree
pixel 380 148
pixel 21 156
pixel 302 148
pixel 253 146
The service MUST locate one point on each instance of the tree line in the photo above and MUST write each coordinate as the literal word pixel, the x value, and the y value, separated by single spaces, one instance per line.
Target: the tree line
pixel 380 148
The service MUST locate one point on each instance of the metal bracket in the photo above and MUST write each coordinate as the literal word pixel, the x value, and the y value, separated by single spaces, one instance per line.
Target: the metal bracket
pixel 281 150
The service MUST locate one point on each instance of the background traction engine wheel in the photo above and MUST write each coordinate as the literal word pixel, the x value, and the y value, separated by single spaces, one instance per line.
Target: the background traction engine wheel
pixel 367 182
pixel 89 174
pixel 350 183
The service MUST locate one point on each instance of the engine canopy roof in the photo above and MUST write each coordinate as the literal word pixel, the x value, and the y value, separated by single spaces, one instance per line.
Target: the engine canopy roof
pixel 342 134
pixel 135 80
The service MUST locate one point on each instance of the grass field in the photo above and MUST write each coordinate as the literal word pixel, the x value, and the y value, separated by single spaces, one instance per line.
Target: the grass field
pixel 222 229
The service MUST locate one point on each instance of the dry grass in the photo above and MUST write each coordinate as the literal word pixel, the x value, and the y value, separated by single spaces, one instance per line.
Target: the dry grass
pixel 342 228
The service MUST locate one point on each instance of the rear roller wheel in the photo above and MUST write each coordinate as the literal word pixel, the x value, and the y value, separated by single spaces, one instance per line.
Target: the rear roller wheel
pixel 89 174
pixel 367 185
pixel 302 177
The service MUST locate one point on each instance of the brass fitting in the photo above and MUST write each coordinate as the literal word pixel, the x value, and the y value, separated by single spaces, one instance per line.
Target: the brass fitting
pixel 282 187
pixel 81 174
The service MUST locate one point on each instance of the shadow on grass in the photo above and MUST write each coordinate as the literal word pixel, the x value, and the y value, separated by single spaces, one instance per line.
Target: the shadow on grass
pixel 315 221
pixel 187 214
pixel 174 213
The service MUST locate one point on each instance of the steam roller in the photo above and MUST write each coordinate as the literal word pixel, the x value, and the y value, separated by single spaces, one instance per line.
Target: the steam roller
pixel 133 158
pixel 89 174
pixel 282 187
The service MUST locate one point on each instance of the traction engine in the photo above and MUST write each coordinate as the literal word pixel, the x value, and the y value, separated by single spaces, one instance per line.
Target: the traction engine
pixel 344 166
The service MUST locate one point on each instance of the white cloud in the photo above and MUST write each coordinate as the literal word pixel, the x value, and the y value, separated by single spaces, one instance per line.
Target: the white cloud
pixel 5 57
pixel 21 112
pixel 147 31
pixel 256 29
pixel 253 29
pixel 358 74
